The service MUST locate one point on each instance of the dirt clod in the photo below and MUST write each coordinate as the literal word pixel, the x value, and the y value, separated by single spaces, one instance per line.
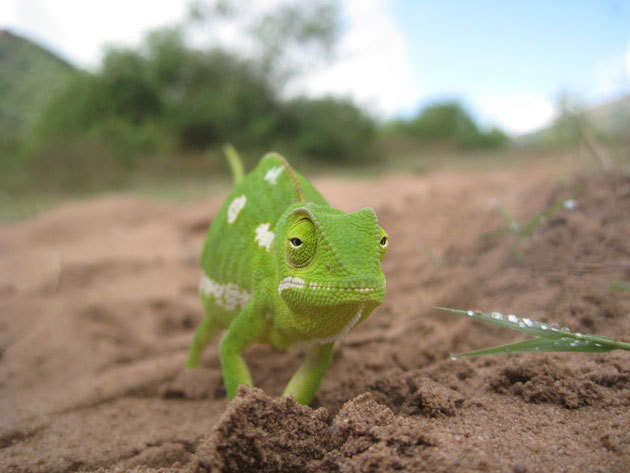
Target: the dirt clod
pixel 260 433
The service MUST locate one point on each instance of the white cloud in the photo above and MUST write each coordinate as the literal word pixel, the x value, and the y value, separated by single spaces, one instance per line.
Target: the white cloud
pixel 614 76
pixel 372 65
pixel 517 114
pixel 79 29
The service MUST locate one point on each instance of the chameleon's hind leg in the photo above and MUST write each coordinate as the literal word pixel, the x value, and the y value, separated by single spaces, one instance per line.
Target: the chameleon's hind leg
pixel 204 334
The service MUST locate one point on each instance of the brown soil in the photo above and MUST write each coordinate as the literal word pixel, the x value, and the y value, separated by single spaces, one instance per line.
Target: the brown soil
pixel 98 301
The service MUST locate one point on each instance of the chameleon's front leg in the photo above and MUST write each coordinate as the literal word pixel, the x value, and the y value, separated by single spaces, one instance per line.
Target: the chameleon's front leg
pixel 304 383
pixel 244 330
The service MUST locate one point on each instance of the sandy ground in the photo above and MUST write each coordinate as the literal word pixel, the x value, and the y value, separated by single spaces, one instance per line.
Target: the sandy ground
pixel 98 301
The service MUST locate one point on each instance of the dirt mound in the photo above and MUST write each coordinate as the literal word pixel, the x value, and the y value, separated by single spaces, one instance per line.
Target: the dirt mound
pixel 98 301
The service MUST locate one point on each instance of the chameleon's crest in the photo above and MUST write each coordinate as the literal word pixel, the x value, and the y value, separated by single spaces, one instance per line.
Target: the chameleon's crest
pixel 290 173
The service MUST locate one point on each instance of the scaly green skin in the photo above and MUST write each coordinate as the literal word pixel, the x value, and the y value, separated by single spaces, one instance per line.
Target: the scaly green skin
pixel 282 267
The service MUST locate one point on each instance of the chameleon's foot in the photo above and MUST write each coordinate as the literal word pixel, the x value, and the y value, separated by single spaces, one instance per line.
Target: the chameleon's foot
pixel 306 380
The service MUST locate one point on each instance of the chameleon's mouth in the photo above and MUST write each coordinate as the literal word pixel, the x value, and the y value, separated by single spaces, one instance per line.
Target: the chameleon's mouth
pixel 298 283
pixel 326 312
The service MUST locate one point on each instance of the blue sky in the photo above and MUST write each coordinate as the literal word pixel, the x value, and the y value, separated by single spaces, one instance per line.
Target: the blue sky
pixel 507 60
pixel 487 51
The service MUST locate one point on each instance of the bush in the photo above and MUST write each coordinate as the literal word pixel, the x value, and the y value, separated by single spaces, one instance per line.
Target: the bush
pixel 164 95
pixel 329 129
pixel 450 122
pixel 221 100
pixel 166 98
pixel 67 167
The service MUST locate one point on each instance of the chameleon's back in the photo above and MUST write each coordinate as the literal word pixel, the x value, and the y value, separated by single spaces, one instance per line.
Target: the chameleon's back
pixel 242 233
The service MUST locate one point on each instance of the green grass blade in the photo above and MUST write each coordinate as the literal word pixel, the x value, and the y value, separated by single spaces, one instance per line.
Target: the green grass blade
pixel 547 339
pixel 525 325
pixel 433 257
pixel 548 212
pixel 511 223
pixel 619 286
pixel 541 345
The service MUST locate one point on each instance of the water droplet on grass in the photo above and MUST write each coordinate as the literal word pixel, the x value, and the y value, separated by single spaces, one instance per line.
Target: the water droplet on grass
pixel 470 313
pixel 513 318
pixel 570 204
pixel 497 315
pixel 528 322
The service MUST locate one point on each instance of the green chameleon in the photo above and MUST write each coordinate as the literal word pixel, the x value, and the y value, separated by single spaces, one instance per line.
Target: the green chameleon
pixel 282 267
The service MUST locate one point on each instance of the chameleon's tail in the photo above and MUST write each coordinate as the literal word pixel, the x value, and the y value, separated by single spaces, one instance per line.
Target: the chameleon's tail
pixel 235 162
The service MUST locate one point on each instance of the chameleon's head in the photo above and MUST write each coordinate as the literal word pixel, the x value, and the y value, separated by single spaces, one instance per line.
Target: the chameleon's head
pixel 329 267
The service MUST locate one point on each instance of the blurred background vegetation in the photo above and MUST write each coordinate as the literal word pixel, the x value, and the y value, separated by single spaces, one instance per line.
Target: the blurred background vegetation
pixel 154 118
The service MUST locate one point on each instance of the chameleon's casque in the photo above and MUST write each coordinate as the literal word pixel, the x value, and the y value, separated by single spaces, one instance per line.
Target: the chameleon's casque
pixel 282 267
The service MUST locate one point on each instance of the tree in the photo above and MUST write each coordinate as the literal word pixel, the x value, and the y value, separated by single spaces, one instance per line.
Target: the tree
pixel 450 122
pixel 283 38
pixel 328 129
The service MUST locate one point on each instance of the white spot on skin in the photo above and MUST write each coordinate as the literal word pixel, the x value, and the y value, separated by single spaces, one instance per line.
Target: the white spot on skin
pixel 235 208
pixel 229 296
pixel 264 237
pixel 272 175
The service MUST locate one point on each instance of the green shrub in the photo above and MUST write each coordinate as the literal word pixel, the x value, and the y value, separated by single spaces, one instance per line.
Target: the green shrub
pixel 449 122
pixel 329 129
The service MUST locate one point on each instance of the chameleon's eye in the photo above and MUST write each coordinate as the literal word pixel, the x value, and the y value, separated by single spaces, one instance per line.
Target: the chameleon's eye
pixel 300 244
pixel 383 243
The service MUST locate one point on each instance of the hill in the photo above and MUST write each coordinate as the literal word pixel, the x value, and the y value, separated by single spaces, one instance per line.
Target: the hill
pixel 613 117
pixel 29 76
pixel 609 119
